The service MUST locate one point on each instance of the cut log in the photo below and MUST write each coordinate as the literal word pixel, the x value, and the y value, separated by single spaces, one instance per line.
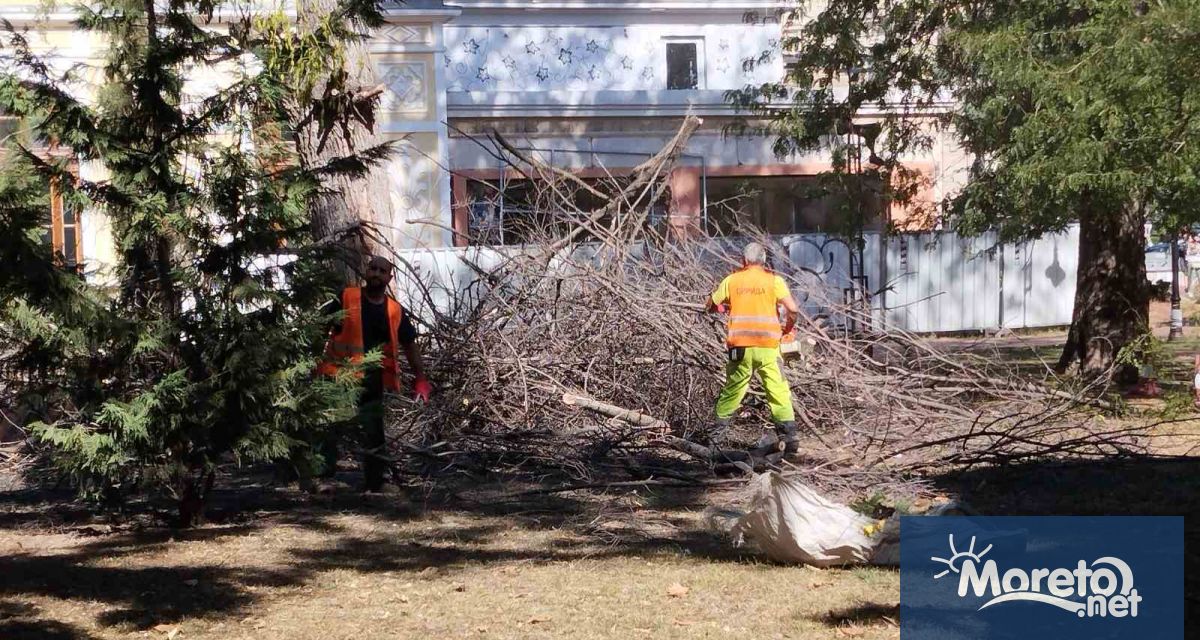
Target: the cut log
pixel 613 411
pixel 757 459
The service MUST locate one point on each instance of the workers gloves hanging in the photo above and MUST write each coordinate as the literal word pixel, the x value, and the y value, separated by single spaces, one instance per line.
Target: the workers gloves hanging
pixel 422 389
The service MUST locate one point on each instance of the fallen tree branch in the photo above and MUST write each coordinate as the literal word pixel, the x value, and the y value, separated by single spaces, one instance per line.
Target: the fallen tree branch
pixel 588 342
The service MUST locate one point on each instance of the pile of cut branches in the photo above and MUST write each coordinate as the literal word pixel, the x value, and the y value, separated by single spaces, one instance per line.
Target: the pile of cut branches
pixel 588 348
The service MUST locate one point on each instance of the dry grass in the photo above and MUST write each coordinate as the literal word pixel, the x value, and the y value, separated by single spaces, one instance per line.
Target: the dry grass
pixel 491 564
pixel 561 567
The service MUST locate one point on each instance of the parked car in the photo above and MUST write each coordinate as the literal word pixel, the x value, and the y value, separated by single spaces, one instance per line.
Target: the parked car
pixel 1158 262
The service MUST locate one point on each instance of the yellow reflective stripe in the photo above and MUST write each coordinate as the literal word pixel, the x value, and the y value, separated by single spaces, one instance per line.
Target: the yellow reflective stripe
pixel 342 346
pixel 754 325
pixel 764 319
pixel 337 348
pixel 753 333
pixel 775 331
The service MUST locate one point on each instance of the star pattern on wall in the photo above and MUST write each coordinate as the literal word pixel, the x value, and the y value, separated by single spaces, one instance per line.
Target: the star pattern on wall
pixel 537 59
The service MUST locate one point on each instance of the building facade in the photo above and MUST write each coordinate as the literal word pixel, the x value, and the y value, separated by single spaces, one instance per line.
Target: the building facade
pixel 591 86
pixel 412 111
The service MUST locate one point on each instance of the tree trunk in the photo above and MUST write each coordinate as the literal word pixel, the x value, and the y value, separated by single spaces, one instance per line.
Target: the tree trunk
pixel 195 498
pixel 351 202
pixel 1112 297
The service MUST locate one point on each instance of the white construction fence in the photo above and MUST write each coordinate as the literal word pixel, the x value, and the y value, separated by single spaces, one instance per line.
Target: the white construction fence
pixel 931 282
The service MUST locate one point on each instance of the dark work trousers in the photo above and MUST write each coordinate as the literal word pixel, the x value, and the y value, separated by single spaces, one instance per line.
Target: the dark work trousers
pixel 371 436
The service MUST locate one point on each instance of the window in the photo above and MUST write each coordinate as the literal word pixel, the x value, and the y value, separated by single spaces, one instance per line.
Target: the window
pixel 683 65
pixel 61 230
pixel 64 231
pixel 780 205
pixel 517 211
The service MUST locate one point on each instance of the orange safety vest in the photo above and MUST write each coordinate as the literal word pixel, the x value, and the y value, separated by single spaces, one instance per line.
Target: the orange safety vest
pixel 347 344
pixel 753 309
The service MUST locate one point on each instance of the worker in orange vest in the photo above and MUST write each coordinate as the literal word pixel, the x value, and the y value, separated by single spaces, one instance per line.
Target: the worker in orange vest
pixel 752 296
pixel 372 320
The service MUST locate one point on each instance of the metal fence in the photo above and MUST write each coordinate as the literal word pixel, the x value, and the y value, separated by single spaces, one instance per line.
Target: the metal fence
pixel 924 282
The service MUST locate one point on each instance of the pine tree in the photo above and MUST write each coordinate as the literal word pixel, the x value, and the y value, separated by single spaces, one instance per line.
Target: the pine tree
pixel 1073 111
pixel 202 350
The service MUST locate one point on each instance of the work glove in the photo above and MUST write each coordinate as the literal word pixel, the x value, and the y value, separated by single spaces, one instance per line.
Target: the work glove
pixel 422 389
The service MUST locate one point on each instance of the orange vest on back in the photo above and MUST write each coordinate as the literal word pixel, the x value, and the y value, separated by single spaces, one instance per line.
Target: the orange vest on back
pixel 347 344
pixel 753 309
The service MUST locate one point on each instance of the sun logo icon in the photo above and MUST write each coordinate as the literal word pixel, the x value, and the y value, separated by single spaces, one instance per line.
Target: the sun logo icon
pixel 957 558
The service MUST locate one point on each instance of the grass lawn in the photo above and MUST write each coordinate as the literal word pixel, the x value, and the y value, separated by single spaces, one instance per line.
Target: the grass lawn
pixel 579 565
pixel 345 567
pixel 483 563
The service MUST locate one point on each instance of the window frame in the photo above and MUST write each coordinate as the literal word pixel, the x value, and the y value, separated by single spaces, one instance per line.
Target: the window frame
pixel 701 71
pixel 56 225
pixel 58 230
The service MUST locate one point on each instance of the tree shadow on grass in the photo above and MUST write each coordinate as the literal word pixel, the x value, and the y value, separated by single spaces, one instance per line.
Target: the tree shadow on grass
pixel 862 614
pixel 132 579
pixel 141 596
pixel 40 630
pixel 20 621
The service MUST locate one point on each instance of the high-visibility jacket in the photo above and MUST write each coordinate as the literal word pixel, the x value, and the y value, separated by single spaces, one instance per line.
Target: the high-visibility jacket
pixel 347 344
pixel 753 309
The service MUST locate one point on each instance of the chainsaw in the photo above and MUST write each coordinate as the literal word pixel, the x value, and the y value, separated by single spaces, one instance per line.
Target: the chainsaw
pixel 791 346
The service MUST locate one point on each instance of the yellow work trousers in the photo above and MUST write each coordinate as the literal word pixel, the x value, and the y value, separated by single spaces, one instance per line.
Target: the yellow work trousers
pixel 765 362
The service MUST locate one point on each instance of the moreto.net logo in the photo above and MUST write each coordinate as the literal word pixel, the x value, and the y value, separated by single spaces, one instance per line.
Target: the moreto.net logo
pixel 1103 587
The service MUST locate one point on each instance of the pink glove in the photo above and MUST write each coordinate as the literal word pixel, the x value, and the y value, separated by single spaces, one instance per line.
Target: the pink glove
pixel 422 389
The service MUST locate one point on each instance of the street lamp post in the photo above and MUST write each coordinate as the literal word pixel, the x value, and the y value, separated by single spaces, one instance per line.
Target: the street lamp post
pixel 1176 309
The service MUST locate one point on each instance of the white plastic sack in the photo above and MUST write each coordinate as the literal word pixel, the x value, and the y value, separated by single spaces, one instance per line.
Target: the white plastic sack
pixel 792 523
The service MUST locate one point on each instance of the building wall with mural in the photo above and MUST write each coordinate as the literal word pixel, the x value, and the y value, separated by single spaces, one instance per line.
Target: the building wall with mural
pixel 589 86
pixel 597 87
